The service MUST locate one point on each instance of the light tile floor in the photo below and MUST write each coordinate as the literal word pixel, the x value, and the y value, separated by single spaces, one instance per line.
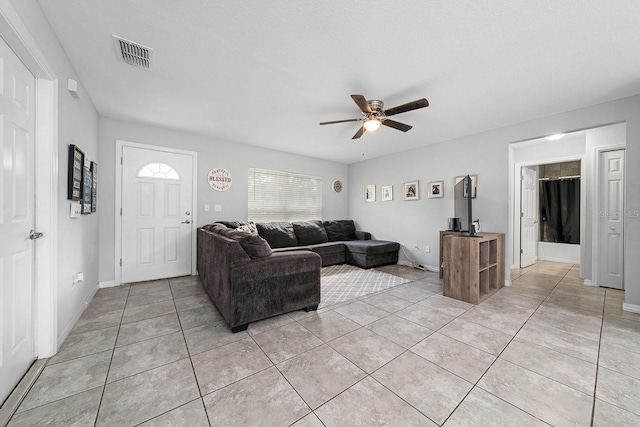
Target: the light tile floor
pixel 545 351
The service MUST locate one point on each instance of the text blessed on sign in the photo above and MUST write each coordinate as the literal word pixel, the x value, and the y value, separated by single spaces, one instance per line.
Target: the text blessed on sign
pixel 219 179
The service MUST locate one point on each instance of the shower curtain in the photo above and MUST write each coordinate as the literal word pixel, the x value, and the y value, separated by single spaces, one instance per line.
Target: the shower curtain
pixel 561 204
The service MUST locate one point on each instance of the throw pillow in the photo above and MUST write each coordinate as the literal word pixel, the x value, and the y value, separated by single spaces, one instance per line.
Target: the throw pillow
pixel 277 234
pixel 250 227
pixel 254 245
pixel 310 232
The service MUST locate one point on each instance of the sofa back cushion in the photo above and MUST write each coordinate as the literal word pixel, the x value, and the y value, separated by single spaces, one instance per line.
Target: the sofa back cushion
pixel 310 232
pixel 277 234
pixel 254 245
pixel 340 230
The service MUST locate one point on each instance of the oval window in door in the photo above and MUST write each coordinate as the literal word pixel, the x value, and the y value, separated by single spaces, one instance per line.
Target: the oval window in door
pixel 158 170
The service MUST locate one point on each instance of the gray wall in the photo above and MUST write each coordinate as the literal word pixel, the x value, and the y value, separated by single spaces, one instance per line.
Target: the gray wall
pixel 237 158
pixel 485 154
pixel 77 124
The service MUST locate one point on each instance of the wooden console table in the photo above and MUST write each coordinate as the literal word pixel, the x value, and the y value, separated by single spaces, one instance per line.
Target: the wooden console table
pixel 473 266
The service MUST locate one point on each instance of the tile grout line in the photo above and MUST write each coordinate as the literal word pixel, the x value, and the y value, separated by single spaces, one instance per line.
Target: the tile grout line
pixel 498 356
pixel 113 350
pixel 193 370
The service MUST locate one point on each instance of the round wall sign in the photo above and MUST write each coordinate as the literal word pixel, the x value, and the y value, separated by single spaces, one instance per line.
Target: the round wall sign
pixel 336 185
pixel 220 179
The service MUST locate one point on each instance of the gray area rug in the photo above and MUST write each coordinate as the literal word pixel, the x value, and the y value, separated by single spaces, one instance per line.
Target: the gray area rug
pixel 344 282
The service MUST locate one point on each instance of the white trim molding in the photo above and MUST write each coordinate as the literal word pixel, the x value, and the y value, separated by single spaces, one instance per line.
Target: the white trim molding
pixel 118 204
pixel 631 308
pixel 15 33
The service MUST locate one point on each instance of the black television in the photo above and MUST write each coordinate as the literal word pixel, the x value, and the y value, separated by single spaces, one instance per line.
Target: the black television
pixel 462 205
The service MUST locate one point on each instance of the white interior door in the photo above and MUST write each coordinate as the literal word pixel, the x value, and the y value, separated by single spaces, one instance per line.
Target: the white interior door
pixel 611 219
pixel 528 216
pixel 156 214
pixel 17 121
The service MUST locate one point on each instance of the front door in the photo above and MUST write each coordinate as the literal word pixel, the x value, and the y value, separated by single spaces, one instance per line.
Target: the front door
pixel 611 219
pixel 156 214
pixel 528 217
pixel 17 124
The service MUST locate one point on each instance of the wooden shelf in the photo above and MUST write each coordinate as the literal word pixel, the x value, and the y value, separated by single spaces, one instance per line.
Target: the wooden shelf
pixel 473 267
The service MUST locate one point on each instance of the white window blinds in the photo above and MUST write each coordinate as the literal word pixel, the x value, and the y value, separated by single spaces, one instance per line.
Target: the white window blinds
pixel 283 196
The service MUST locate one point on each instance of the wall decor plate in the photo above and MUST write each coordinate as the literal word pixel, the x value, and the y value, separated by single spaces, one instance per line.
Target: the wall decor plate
pixel 336 186
pixel 219 179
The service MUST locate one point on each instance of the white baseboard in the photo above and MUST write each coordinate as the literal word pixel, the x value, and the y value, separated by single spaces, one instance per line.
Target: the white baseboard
pixel 507 282
pixel 67 330
pixel 588 282
pixel 432 268
pixel 632 308
pixel 108 284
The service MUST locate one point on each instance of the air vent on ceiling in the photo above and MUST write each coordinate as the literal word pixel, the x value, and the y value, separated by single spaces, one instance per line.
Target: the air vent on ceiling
pixel 132 53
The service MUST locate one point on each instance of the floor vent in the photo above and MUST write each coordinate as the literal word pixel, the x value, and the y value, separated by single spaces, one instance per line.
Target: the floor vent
pixel 133 53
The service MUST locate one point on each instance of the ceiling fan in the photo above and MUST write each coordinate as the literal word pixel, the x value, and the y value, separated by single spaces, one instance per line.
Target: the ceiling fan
pixel 374 115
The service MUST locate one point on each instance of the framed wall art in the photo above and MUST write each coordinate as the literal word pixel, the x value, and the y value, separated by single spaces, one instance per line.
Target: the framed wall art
pixel 474 185
pixel 370 193
pixel 74 177
pixel 436 190
pixel 94 187
pixel 387 193
pixel 87 186
pixel 411 190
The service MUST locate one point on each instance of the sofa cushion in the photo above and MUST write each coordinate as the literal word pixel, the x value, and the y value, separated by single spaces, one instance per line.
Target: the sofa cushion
pixel 254 245
pixel 277 234
pixel 371 247
pixel 340 230
pixel 310 232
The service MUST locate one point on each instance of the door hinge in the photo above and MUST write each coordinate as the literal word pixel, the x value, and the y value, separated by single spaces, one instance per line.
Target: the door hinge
pixel 521 214
pixel 120 262
pixel 121 161
pixel 521 252
pixel 120 211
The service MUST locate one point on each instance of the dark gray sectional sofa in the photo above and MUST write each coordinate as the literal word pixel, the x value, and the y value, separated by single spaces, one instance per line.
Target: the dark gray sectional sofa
pixel 252 272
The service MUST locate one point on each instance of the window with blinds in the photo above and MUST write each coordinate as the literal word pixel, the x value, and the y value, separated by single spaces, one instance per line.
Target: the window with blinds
pixel 283 196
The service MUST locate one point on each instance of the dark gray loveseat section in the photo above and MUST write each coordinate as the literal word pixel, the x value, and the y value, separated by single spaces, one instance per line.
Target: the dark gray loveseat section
pixel 247 282
pixel 252 272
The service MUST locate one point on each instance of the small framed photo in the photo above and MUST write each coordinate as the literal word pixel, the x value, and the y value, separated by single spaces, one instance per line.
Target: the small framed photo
pixel 411 190
pixel 387 193
pixel 436 190
pixel 370 193
pixel 474 185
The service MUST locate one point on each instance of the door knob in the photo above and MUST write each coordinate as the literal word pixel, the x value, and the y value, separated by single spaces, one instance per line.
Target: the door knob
pixel 613 228
pixel 33 235
pixel 186 222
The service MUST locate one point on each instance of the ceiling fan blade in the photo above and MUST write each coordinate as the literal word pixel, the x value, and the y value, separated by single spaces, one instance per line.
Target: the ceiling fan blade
pixel 341 121
pixel 396 125
pixel 359 133
pixel 361 101
pixel 413 105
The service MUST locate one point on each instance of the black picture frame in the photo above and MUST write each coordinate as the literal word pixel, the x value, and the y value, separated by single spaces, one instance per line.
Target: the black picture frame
pixel 75 170
pixel 87 185
pixel 94 187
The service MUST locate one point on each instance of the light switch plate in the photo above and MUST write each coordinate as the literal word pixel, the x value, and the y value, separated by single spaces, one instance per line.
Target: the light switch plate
pixel 217 208
pixel 75 210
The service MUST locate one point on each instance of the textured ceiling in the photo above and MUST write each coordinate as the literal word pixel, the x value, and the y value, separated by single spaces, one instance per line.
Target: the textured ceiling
pixel 265 73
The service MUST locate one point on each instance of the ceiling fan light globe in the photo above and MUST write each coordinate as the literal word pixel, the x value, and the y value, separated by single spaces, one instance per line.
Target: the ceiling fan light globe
pixel 372 125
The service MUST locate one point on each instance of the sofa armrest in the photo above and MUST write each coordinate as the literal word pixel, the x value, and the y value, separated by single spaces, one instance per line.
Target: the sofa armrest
pixel 363 235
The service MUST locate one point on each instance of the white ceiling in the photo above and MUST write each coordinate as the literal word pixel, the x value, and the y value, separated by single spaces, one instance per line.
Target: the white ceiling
pixel 265 73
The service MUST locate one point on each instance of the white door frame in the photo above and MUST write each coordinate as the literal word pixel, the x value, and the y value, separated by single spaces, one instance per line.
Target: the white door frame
pixel 45 301
pixel 118 203
pixel 514 203
pixel 595 248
